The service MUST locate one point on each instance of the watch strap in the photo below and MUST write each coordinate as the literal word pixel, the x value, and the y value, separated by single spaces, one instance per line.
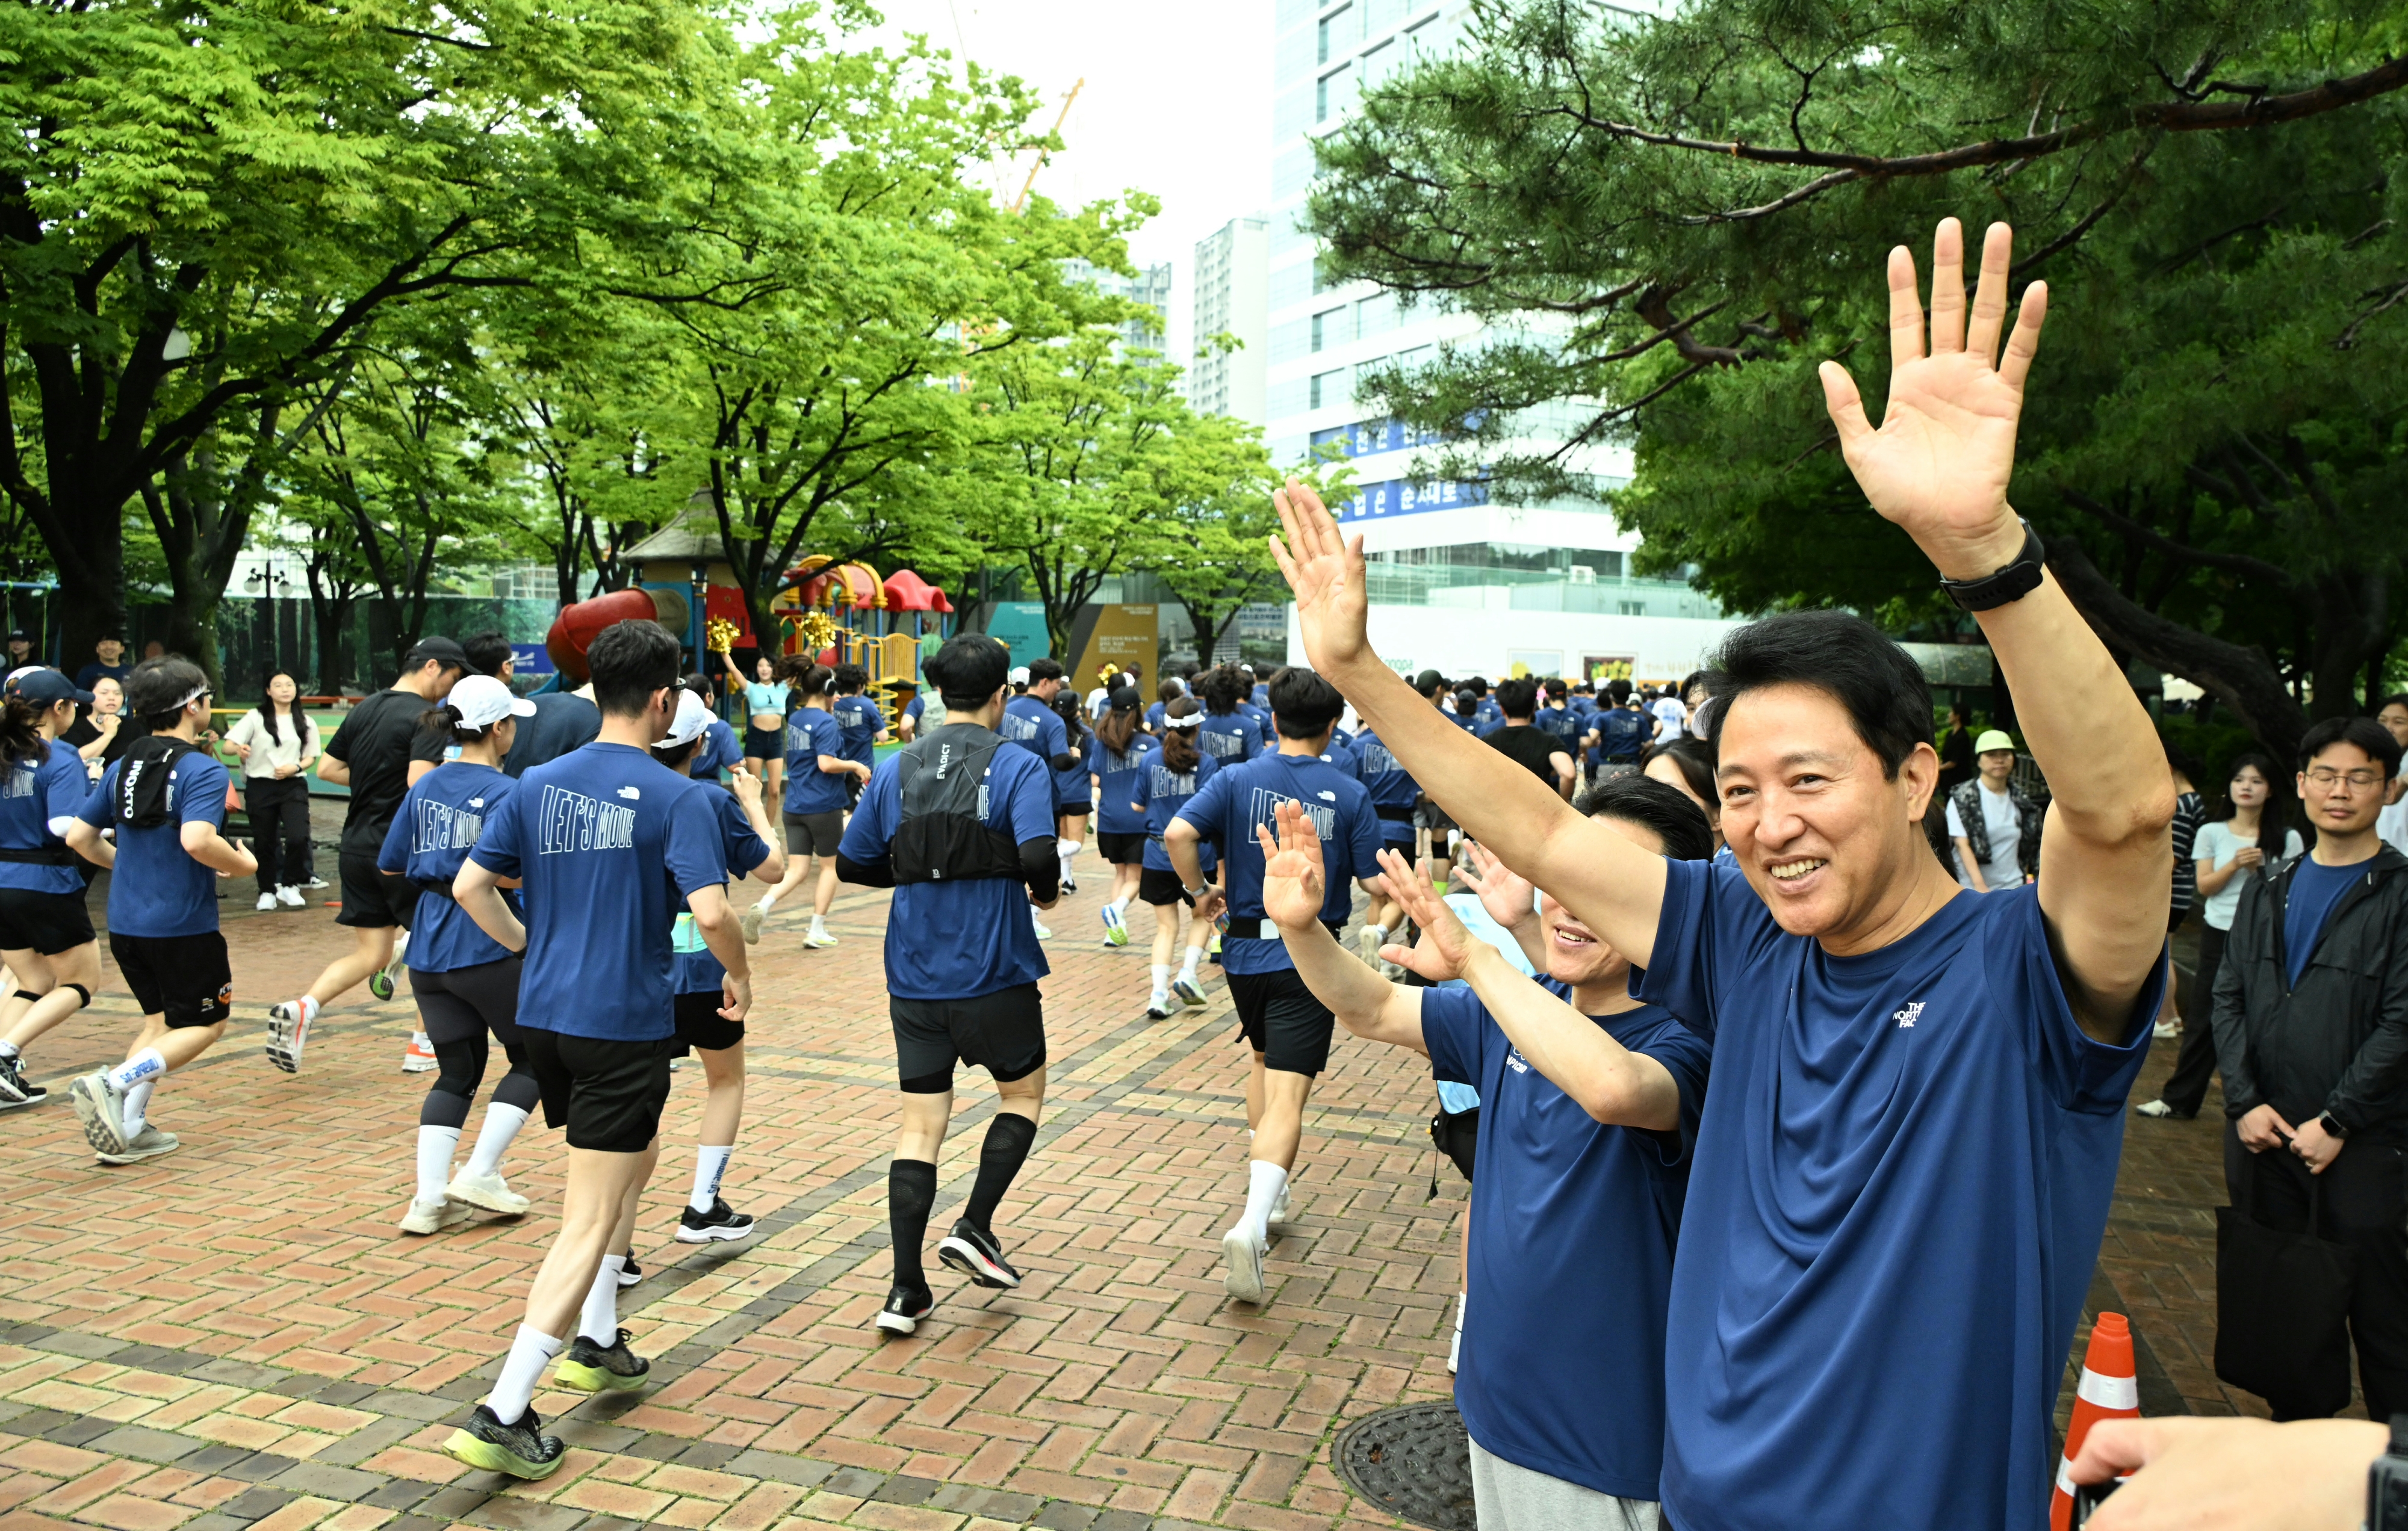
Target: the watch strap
pixel 2013 582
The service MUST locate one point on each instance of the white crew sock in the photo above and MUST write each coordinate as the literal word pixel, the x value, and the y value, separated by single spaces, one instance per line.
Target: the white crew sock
pixel 819 924
pixel 435 1149
pixel 531 1355
pixel 137 1106
pixel 8 1049
pixel 1263 1181
pixel 767 901
pixel 1162 981
pixel 145 1065
pixel 709 1164
pixel 1379 934
pixel 599 1322
pixel 502 1124
pixel 1194 959
pixel 1069 851
pixel 308 1010
pixel 1036 919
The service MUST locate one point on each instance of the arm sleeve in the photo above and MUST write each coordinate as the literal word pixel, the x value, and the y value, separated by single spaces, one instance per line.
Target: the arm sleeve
pixel 1451 1020
pixel 1040 867
pixel 1688 940
pixel 339 747
pixel 96 802
pixel 739 843
pixel 427 745
pixel 866 856
pixel 498 846
pixel 201 796
pixel 1684 1055
pixel 1030 810
pixel 697 855
pixel 1956 823
pixel 1204 809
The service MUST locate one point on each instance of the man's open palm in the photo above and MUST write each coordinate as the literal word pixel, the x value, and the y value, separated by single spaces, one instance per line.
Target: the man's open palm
pixel 1294 884
pixel 1325 569
pixel 1939 461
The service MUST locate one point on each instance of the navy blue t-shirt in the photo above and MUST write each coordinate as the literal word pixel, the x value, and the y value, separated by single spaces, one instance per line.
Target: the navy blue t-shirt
pixel 1391 786
pixel 694 970
pixel 1153 715
pixel 1566 1210
pixel 1906 1154
pixel 1621 733
pixel 157 889
pixel 433 830
pixel 608 840
pixel 1226 809
pixel 1159 793
pixel 958 939
pixel 31 794
pixel 721 749
pixel 1116 774
pixel 811 733
pixel 1260 717
pixel 2314 889
pixel 1229 737
pixel 862 720
pixel 1036 728
pixel 1074 785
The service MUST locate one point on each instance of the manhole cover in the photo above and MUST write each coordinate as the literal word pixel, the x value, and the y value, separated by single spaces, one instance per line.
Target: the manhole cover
pixel 1414 1462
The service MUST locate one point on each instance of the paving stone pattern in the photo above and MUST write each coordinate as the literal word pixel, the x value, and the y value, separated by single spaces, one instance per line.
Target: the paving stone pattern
pixel 236 1336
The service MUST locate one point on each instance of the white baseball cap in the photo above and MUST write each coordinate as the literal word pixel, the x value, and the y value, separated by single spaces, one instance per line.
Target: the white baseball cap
pixel 692 718
pixel 1019 676
pixel 483 701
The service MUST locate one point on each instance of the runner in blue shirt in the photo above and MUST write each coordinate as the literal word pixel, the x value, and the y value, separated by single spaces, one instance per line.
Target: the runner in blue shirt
pixel 46 934
pixel 1229 734
pixel 1171 690
pixel 1121 751
pixel 1030 722
pixel 962 962
pixel 721 751
pixel 1162 787
pixel 864 721
pixel 1855 997
pixel 166 800
pixel 466 983
pixel 1588 1109
pixel 1395 795
pixel 764 720
pixel 1287 1029
pixel 1074 786
pixel 747 844
pixel 605 840
pixel 818 774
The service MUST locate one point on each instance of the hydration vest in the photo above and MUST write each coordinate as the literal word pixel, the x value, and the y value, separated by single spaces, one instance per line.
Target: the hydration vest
pixel 943 835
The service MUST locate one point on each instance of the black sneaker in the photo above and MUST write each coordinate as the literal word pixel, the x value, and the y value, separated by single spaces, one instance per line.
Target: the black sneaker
pixel 722 1222
pixel 906 1306
pixel 630 1273
pixel 976 1255
pixel 589 1367
pixel 520 1450
pixel 15 1089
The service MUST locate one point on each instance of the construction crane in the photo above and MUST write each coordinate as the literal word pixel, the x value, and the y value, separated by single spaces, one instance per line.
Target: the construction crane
pixel 1029 185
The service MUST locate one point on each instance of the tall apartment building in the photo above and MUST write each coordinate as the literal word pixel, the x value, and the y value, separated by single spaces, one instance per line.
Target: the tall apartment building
pixel 1437 544
pixel 1150 287
pixel 1232 297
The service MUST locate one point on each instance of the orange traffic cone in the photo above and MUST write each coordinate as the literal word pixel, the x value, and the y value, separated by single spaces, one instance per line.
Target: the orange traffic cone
pixel 2109 1391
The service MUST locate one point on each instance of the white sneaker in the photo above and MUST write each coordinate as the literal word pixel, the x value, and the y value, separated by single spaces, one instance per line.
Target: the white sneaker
pixel 1279 1208
pixel 419 1056
pixel 486 1190
pixel 290 896
pixel 429 1217
pixel 267 902
pixel 1042 933
pixel 2168 1028
pixel 818 938
pixel 2156 1107
pixel 317 882
pixel 750 923
pixel 1243 1255
pixel 287 1035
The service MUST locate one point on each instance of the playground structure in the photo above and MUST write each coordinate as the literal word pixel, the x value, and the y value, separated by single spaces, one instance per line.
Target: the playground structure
pixel 844 613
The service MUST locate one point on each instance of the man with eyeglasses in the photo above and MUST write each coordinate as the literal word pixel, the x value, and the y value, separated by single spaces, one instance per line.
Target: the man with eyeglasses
pixel 2311 1023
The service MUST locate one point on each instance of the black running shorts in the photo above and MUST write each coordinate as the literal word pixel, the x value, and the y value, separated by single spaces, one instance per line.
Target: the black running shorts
pixel 464 1003
pixel 185 978
pixel 1121 850
pixel 1281 1019
pixel 1073 811
pixel 814 834
pixel 701 1025
pixel 45 924
pixel 609 1094
pixel 1003 1033
pixel 1158 887
pixel 373 899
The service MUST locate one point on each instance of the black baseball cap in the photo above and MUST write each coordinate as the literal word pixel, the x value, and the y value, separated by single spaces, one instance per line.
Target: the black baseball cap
pixel 18 635
pixel 1427 681
pixel 442 650
pixel 49 686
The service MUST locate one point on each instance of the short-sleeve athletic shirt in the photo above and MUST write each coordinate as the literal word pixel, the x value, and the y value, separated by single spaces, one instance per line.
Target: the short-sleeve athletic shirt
pixel 811 733
pixel 438 825
pixel 377 742
pixel 1902 1175
pixel 700 972
pixel 1237 798
pixel 1035 727
pixel 31 794
pixel 156 888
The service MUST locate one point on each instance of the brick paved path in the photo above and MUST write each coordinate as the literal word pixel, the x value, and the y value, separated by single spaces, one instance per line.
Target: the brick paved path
pixel 236 1335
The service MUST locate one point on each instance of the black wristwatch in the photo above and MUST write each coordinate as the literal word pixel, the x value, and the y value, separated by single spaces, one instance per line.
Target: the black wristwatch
pixel 2386 1483
pixel 2332 1126
pixel 2012 583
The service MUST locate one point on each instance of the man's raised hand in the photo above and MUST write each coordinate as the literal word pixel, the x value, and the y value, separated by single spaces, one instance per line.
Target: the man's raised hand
pixel 1505 894
pixel 1294 882
pixel 1324 570
pixel 1445 945
pixel 1939 461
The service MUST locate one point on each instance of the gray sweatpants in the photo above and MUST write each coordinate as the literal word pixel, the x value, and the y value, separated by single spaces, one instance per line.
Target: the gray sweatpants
pixel 1508 1498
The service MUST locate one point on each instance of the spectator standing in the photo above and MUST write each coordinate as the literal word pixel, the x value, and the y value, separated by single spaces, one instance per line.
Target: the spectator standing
pixel 2189 808
pixel 101 734
pixel 2310 1018
pixel 277 743
pixel 1994 828
pixel 2230 851
pixel 2392 823
pixel 110 661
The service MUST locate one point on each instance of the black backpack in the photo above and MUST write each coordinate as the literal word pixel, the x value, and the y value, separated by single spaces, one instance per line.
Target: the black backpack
pixel 943 835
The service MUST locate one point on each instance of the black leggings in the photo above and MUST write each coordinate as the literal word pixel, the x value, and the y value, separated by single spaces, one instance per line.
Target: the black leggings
pixel 2186 1086
pixel 279 829
pixel 460 1068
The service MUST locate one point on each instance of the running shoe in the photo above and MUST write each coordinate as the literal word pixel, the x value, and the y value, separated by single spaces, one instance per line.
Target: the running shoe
pixel 1279 1208
pixel 630 1273
pixel 589 1367
pixel 721 1223
pixel 1367 943
pixel 16 1089
pixel 100 1105
pixel 290 896
pixel 2159 1109
pixel 750 923
pixel 288 1033
pixel 267 902
pixel 1042 933
pixel 150 1143
pixel 432 1217
pixel 1069 883
pixel 1186 988
pixel 419 1056
pixel 977 1254
pixel 1115 928
pixel 906 1306
pixel 380 982
pixel 818 938
pixel 1243 1253
pixel 487 1191
pixel 1158 1008
pixel 1215 953
pixel 317 882
pixel 519 1449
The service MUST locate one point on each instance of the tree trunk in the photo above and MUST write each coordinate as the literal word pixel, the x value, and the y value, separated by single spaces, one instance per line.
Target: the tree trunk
pixel 2350 620
pixel 2244 680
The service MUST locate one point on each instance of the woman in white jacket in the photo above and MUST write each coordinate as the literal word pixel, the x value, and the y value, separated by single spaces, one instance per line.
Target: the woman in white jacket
pixel 278 743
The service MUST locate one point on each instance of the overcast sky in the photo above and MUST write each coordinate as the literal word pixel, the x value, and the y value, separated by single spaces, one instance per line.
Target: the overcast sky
pixel 1177 103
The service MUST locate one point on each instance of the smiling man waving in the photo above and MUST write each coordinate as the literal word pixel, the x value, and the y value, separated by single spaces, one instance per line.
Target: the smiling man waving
pixel 1903 1167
